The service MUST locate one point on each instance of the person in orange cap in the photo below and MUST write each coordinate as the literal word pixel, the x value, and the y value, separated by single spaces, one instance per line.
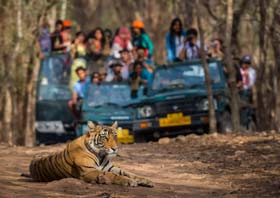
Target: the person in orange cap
pixel 66 35
pixel 67 24
pixel 141 39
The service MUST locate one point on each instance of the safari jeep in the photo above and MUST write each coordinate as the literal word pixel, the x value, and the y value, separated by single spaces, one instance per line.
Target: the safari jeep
pixel 54 121
pixel 106 103
pixel 177 101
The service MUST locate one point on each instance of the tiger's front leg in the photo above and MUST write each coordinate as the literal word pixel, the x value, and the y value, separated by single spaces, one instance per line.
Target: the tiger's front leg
pixel 107 178
pixel 140 180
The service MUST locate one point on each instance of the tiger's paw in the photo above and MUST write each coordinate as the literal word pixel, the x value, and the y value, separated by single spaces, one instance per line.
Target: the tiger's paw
pixel 103 179
pixel 144 182
pixel 130 182
pixel 126 182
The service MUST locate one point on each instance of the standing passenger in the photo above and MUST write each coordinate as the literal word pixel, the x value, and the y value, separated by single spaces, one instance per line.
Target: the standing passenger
pixel 141 39
pixel 121 41
pixel 174 39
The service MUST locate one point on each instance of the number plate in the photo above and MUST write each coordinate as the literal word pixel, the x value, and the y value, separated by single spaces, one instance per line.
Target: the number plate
pixel 124 136
pixel 175 119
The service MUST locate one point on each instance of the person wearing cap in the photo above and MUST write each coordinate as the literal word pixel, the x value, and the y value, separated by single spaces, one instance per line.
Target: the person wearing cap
pixel 66 35
pixel 248 74
pixel 141 38
pixel 121 41
pixel 115 75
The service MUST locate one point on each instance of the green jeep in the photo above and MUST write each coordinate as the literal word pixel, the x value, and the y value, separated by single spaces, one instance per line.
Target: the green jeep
pixel 54 121
pixel 105 103
pixel 177 101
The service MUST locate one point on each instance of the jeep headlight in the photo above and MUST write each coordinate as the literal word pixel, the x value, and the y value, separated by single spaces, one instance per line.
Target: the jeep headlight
pixel 203 105
pixel 145 112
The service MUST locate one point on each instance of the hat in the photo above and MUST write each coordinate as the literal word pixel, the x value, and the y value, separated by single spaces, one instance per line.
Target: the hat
pixel 138 24
pixel 246 59
pixel 124 30
pixel 102 70
pixel 67 23
pixel 115 64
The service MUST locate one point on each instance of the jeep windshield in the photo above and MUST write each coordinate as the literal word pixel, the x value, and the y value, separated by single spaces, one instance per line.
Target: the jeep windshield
pixel 54 79
pixel 108 94
pixel 188 76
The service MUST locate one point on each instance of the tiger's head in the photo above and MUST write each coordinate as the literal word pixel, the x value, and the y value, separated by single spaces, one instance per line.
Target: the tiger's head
pixel 102 139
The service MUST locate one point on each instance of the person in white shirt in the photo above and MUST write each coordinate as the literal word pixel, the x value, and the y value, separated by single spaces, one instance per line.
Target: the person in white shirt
pixel 191 48
pixel 248 74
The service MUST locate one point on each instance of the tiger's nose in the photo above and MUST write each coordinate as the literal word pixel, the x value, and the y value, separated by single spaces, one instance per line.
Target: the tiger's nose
pixel 114 149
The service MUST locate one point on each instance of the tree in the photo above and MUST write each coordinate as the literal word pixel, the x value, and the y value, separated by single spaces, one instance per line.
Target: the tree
pixel 211 107
pixel 19 67
pixel 231 70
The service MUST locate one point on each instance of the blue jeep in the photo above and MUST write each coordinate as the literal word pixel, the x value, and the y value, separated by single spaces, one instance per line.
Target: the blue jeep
pixel 54 121
pixel 177 101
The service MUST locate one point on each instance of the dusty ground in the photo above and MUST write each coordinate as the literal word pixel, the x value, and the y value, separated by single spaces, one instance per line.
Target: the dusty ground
pixel 192 166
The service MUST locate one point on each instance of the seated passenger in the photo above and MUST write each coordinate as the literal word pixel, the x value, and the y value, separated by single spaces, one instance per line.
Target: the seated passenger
pixel 116 75
pixel 215 50
pixel 96 52
pixel 96 43
pixel 126 62
pixel 121 41
pixel 78 48
pixel 174 39
pixel 108 41
pixel 78 91
pixel 191 48
pixel 102 75
pixel 147 69
pixel 95 78
pixel 108 36
pixel 136 79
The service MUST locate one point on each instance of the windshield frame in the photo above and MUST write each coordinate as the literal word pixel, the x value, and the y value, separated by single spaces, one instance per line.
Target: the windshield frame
pixel 219 85
pixel 86 105
pixel 63 84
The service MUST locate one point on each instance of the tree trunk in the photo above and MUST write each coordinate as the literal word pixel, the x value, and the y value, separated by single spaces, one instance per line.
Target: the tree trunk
pixel 211 111
pixel 7 115
pixel 275 40
pixel 262 111
pixel 63 13
pixel 232 72
pixel 31 101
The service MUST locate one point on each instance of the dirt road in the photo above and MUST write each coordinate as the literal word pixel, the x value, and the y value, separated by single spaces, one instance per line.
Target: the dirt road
pixel 189 166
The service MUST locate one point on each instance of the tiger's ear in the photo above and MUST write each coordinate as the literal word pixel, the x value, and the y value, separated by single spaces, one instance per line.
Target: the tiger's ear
pixel 91 125
pixel 115 125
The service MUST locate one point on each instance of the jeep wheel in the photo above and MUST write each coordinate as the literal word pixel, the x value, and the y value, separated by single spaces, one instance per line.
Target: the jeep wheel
pixel 225 125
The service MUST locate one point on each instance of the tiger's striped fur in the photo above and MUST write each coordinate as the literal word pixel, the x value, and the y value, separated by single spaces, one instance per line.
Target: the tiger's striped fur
pixel 86 158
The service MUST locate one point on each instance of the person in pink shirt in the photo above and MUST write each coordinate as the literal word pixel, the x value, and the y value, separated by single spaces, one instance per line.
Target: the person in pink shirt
pixel 121 41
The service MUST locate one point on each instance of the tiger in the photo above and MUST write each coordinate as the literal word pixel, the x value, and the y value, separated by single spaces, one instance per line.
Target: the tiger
pixel 87 158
